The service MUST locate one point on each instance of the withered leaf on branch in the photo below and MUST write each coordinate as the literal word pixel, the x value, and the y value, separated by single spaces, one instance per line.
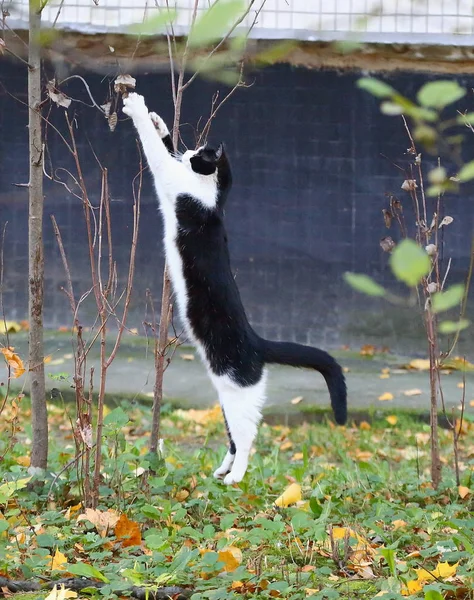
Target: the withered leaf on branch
pixel 446 221
pixel 57 96
pixel 2 46
pixel 387 244
pixel 387 217
pixel 409 184
pixel 112 119
pixel 123 83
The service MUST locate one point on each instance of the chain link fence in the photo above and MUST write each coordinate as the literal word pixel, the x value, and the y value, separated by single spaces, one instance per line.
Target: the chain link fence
pixel 404 21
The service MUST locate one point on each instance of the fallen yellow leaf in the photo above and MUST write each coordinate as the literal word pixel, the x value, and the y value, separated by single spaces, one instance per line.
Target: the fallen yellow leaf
pixel 384 376
pixel 398 523
pixel 204 416
pixel 9 326
pixel 441 571
pixel 413 587
pixel 231 557
pixel 363 455
pixel 286 445
pixel 460 385
pixel 297 456
pixel 24 461
pixel 419 364
pixel 56 361
pixel 386 396
pixel 413 392
pixel 181 495
pixel 364 426
pixel 445 570
pixel 463 491
pixel 296 400
pixel 14 362
pixel 58 562
pixel 392 419
pixel 291 495
pixel 61 593
pixel 237 584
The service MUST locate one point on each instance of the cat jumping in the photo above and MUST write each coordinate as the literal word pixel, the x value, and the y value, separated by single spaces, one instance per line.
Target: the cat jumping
pixel 192 190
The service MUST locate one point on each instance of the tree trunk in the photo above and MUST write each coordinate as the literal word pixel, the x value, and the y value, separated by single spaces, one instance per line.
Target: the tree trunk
pixel 39 419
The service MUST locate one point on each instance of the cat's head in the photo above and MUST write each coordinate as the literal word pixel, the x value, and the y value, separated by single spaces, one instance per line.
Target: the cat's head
pixel 205 160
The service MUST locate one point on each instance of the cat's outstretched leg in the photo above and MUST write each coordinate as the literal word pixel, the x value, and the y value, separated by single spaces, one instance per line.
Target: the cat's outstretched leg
pixel 229 457
pixel 242 408
pixel 156 152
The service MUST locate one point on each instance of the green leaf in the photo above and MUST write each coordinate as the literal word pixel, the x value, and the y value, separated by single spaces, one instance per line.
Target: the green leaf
pixel 467 118
pixel 433 595
pixel 467 172
pixel 154 24
pixel 215 22
pixel 437 175
pixel 391 108
pixel 389 555
pixel 438 94
pixel 347 46
pixel 227 521
pixel 45 540
pixel 4 525
pixel 364 283
pixel 151 512
pixel 8 489
pixel 375 87
pixel 275 53
pixel 451 297
pixel 116 419
pixel 453 326
pixel 84 570
pixel 315 506
pixel 409 262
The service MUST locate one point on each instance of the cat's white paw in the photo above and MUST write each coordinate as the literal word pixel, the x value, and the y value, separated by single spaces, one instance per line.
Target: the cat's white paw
pixel 159 124
pixel 226 466
pixel 134 105
pixel 233 477
pixel 219 473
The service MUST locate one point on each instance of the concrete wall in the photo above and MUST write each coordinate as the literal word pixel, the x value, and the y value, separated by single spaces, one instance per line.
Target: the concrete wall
pixel 310 185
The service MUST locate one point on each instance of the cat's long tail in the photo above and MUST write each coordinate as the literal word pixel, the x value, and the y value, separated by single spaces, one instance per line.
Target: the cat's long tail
pixel 297 355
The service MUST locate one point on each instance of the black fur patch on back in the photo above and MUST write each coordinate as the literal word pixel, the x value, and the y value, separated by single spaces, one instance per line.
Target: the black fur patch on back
pixel 215 310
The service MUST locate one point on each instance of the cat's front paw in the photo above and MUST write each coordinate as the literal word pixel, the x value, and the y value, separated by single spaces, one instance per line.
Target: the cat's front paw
pixel 159 124
pixel 134 106
pixel 233 477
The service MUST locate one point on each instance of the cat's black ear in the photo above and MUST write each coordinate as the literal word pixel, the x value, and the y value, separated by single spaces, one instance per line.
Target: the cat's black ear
pixel 220 151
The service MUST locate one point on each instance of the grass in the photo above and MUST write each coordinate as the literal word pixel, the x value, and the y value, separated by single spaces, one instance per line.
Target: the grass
pixel 368 523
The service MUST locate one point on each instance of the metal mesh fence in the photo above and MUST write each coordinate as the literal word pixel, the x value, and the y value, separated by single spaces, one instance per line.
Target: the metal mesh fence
pixel 443 21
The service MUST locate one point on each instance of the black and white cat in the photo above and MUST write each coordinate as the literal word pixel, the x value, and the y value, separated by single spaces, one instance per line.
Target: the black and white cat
pixel 192 191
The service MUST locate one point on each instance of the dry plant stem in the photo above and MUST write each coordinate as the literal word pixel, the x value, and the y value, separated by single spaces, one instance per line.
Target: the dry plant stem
pixel 83 408
pixel 39 417
pixel 430 321
pixel 6 393
pixel 160 354
pixel 457 430
pixel 166 293
pixel 435 457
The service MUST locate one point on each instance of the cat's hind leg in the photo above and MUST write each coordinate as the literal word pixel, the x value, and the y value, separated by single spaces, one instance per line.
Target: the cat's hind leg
pixel 242 407
pixel 229 457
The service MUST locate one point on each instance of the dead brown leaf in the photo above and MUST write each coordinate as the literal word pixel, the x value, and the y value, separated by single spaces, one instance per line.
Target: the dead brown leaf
pixel 128 532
